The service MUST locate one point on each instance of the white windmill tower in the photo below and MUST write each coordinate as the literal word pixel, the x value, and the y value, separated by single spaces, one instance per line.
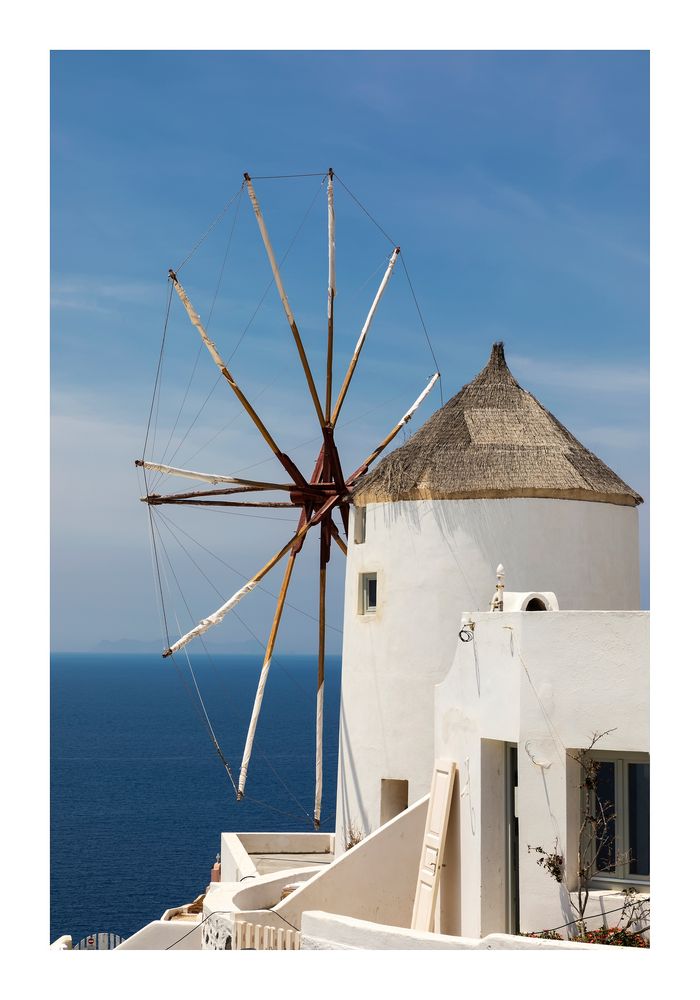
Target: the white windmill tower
pixel 492 477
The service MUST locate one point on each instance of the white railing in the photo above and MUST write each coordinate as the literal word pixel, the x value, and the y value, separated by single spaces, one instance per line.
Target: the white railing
pixel 259 937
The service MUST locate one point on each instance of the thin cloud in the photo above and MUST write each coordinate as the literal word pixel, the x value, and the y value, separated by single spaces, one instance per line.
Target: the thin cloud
pixel 581 375
pixel 99 294
pixel 627 438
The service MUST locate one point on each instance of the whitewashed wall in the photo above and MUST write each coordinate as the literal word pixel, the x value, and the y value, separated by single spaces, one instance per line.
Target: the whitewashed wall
pixel 433 559
pixel 545 681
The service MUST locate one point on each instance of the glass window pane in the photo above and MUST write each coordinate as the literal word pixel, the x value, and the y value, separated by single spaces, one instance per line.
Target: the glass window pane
pixel 372 592
pixel 638 785
pixel 605 832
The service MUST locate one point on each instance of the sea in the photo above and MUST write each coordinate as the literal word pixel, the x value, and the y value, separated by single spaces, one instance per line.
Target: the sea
pixel 139 795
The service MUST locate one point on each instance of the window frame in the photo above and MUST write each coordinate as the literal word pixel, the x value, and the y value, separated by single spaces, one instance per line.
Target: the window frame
pixel 364 607
pixel 621 877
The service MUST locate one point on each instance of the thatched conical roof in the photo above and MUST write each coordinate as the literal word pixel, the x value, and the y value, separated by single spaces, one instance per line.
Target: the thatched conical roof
pixel 493 439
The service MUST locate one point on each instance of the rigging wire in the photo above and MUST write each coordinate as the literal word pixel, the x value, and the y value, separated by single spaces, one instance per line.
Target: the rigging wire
pixel 201 344
pixel 313 440
pixel 281 177
pixel 304 691
pixel 197 708
pixel 410 283
pixel 250 321
pixel 231 422
pixel 243 576
pixel 211 228
pixel 206 716
pixel 159 370
pixel 154 563
pixel 370 217
pixel 353 298
pixel 201 710
pixel 242 513
pixel 425 329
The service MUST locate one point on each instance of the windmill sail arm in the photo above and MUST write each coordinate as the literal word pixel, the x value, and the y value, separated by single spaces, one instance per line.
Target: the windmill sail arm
pixel 331 295
pixel 214 619
pixel 286 462
pixel 363 336
pixel 269 649
pixel 218 616
pixel 283 296
pixel 207 477
pixel 392 434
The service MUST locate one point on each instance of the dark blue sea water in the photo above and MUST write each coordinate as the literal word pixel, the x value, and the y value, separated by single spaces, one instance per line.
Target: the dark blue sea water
pixel 139 797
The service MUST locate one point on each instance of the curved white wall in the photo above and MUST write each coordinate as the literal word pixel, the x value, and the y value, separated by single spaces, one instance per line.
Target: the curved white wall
pixel 434 560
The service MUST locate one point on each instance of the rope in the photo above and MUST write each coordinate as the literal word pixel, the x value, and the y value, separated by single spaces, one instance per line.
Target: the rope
pixel 370 217
pixel 425 329
pixel 313 440
pixel 281 177
pixel 155 566
pixel 201 344
pixel 198 926
pixel 205 714
pixel 234 418
pixel 213 226
pixel 250 321
pixel 158 371
pixel 242 513
pixel 244 576
pixel 410 283
pixel 212 734
pixel 223 598
pixel 271 909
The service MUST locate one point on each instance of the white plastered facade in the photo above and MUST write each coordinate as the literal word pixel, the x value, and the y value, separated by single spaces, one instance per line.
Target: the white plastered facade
pixel 546 682
pixel 434 559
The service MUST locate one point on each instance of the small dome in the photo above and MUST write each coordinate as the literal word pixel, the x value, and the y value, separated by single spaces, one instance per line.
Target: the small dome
pixel 493 439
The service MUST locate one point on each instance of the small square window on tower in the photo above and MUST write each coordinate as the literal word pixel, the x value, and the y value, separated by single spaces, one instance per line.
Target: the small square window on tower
pixel 368 593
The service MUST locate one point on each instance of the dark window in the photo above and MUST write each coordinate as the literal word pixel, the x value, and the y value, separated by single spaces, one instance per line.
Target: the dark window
pixel 368 593
pixel 623 801
pixel 638 796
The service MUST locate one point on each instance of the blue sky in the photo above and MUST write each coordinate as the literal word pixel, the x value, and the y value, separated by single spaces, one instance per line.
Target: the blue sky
pixel 516 184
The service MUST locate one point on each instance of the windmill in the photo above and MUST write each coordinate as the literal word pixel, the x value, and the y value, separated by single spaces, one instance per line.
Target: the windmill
pixel 327 490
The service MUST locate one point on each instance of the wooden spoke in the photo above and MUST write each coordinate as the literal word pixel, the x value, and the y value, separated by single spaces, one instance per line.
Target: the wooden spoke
pixel 392 434
pixel 155 501
pixel 335 534
pixel 314 498
pixel 217 616
pixel 283 296
pixel 332 459
pixel 286 462
pixel 319 687
pixel 272 638
pixel 213 478
pixel 345 517
pixel 331 295
pixel 157 498
pixel 363 336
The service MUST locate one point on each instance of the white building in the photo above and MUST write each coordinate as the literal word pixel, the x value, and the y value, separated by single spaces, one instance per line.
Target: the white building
pixel 436 667
pixel 491 478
